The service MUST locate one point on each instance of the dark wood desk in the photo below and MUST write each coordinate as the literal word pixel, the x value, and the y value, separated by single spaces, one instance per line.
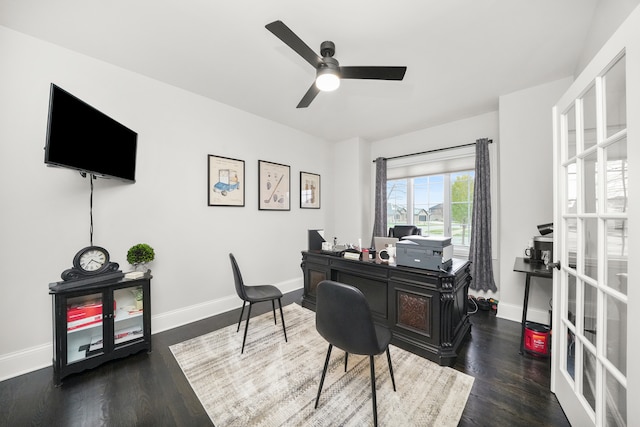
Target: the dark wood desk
pixel 426 310
pixel 531 269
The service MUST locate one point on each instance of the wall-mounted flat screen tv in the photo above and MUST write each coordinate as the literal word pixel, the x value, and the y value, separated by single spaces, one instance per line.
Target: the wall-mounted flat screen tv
pixel 82 138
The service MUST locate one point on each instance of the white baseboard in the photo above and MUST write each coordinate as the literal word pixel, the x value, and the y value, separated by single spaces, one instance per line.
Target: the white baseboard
pixel 514 312
pixel 25 361
pixel 41 356
pixel 193 313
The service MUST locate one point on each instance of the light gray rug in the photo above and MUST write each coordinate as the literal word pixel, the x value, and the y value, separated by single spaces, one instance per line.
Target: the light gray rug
pixel 275 383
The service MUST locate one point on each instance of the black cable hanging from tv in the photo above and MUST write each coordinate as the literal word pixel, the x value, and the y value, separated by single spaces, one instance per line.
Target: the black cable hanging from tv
pixel 91 178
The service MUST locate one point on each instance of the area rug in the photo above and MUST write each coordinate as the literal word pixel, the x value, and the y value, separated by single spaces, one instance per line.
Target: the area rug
pixel 275 383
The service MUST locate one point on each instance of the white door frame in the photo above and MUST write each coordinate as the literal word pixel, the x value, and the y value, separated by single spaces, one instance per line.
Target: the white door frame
pixel 625 39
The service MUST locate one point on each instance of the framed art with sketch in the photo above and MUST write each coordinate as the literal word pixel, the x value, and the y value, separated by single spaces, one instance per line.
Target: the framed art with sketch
pixel 274 186
pixel 309 190
pixel 226 181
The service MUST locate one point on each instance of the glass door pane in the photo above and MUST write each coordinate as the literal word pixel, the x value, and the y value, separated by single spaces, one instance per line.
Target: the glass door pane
pixel 589 377
pixel 617 254
pixel 590 248
pixel 570 120
pixel 617 176
pixel 571 242
pixel 589 117
pixel 616 95
pixel 616 333
pixel 127 319
pixel 572 187
pixel 590 183
pixel 616 405
pixel 84 327
pixel 590 310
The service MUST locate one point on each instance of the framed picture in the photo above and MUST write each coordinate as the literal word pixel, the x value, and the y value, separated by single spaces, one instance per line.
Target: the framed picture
pixel 226 181
pixel 274 184
pixel 309 190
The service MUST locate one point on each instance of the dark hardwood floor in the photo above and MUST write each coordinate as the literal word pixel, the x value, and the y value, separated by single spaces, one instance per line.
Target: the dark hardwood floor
pixel 150 390
pixel 510 389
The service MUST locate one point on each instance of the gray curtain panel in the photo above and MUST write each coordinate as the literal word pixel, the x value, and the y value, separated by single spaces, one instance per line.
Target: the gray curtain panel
pixel 480 247
pixel 380 217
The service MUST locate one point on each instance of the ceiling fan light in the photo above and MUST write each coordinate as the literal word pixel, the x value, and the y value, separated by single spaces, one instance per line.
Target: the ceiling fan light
pixel 327 80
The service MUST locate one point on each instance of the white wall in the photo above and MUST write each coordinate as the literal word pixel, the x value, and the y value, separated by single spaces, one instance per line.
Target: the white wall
pixel 526 191
pixel 44 218
pixel 351 192
pixel 607 17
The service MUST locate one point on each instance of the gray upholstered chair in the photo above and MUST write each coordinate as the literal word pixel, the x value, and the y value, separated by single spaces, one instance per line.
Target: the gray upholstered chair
pixel 343 318
pixel 254 294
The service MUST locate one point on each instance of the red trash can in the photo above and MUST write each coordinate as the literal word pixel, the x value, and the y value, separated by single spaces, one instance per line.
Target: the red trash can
pixel 536 338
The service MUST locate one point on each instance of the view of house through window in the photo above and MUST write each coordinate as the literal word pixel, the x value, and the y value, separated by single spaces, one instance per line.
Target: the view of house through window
pixel 440 205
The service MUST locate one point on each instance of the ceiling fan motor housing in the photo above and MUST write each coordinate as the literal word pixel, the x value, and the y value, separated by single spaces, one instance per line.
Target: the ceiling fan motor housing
pixel 327 49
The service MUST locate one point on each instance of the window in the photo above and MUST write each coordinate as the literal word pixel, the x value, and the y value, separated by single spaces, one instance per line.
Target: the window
pixel 440 204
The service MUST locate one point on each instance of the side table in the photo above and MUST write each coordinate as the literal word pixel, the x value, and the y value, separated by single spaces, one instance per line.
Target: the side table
pixel 530 269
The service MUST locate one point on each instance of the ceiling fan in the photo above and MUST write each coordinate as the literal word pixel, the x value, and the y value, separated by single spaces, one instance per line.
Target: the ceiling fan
pixel 328 70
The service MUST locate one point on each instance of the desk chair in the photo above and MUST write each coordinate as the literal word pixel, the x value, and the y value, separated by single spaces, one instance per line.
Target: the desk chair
pixel 344 319
pixel 253 294
pixel 404 230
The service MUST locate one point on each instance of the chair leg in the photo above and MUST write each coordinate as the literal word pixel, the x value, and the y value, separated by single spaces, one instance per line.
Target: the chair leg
pixel 241 313
pixel 246 327
pixel 324 372
pixel 346 357
pixel 373 391
pixel 284 329
pixel 391 369
pixel 273 307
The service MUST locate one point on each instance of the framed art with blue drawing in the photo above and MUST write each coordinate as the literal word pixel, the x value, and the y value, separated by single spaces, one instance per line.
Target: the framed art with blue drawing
pixel 226 181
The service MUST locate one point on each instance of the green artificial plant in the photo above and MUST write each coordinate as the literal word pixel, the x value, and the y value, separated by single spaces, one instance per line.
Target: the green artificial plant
pixel 140 254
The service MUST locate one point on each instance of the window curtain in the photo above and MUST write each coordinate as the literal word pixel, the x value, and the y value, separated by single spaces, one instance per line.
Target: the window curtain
pixel 480 246
pixel 380 215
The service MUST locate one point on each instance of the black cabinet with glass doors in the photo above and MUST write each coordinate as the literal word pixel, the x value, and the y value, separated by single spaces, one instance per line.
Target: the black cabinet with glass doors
pixel 99 322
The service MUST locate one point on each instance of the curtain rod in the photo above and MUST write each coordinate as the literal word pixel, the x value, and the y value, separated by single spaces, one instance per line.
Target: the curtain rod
pixel 432 151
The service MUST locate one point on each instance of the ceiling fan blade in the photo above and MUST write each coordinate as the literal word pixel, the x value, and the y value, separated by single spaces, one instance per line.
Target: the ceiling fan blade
pixel 281 31
pixel 309 96
pixel 379 73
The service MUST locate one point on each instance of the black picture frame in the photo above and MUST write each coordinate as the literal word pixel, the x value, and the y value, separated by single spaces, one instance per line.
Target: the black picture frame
pixel 309 190
pixel 274 186
pixel 225 181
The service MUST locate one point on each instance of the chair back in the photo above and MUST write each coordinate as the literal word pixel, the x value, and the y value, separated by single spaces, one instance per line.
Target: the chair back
pixel 343 318
pixel 237 277
pixel 404 230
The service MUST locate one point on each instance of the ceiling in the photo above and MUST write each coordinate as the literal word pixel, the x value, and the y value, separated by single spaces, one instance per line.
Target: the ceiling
pixel 461 55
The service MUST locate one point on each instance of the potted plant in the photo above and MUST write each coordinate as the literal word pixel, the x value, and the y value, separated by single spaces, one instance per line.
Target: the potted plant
pixel 139 255
pixel 137 293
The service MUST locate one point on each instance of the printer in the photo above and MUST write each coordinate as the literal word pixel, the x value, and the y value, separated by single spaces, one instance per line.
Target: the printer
pixel 427 252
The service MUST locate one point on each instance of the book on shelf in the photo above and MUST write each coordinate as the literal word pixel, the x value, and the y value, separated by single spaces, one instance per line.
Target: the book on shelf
pixel 134 274
pixel 127 334
pixel 122 335
pixel 87 313
pixel 95 345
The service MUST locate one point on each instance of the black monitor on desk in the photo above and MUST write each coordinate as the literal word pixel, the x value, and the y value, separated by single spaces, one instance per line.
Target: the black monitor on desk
pixel 401 231
pixel 316 239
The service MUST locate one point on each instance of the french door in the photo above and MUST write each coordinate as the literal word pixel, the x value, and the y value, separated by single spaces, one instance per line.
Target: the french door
pixel 595 148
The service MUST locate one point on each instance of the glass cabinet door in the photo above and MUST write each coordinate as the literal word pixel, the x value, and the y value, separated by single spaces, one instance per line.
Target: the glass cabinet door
pixel 84 326
pixel 128 315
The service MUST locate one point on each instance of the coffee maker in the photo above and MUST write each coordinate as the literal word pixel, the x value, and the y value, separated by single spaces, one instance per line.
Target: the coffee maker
pixel 541 248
